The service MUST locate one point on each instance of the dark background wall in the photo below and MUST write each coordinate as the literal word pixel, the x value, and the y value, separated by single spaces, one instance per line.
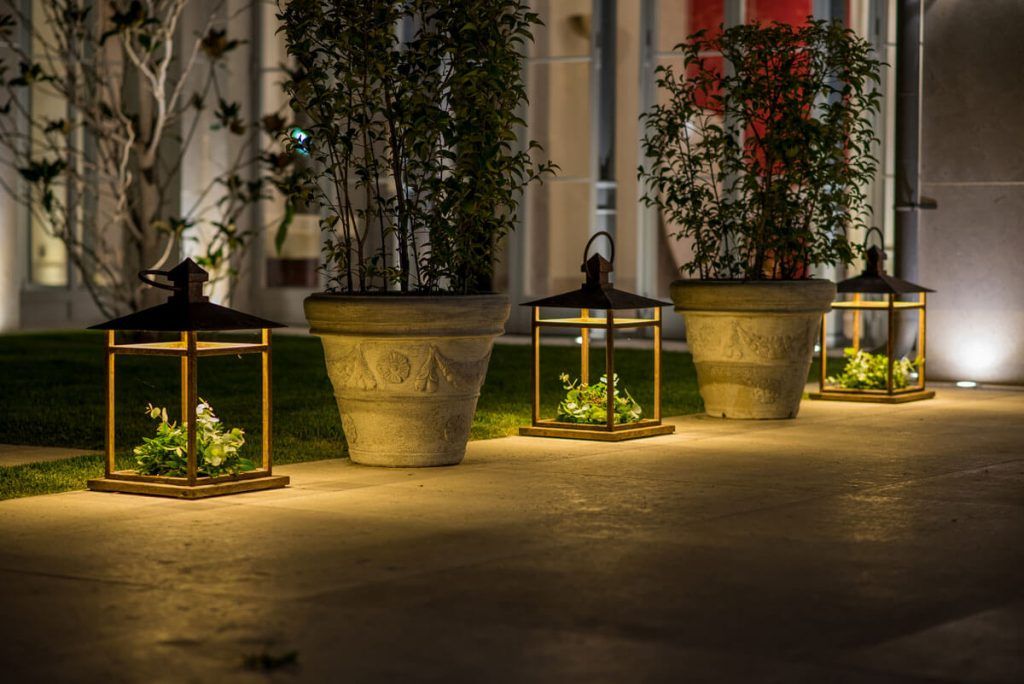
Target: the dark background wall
pixel 972 246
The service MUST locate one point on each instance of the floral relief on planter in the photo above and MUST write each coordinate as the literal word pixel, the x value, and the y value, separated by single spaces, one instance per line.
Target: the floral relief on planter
pixel 394 367
pixel 352 370
pixel 743 341
pixel 455 428
pixel 778 346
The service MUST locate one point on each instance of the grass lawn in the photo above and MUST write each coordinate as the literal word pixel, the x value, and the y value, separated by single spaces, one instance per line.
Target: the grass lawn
pixel 51 393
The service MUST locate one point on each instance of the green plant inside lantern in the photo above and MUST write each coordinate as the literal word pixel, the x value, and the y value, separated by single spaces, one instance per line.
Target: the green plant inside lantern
pixel 588 403
pixel 217 449
pixel 864 370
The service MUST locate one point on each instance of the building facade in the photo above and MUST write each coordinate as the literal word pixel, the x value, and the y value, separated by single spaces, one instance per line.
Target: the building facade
pixel 590 74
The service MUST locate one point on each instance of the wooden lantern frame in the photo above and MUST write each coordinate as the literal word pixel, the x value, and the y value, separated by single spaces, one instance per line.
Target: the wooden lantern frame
pixel 891 394
pixel 189 349
pixel 185 314
pixel 609 431
pixel 875 281
pixel 596 294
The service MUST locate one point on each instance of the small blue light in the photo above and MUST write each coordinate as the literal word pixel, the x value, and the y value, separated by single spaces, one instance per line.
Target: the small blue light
pixel 301 137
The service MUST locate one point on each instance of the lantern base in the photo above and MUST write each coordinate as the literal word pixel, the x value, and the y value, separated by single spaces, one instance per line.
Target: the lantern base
pixel 596 435
pixel 184 491
pixel 903 398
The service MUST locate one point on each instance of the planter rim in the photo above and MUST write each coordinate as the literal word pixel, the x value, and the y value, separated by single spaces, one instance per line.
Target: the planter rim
pixel 753 296
pixel 405 296
pixel 757 283
pixel 407 316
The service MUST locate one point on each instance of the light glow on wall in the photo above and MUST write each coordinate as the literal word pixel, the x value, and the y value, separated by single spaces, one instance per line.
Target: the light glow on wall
pixel 977 337
pixel 978 352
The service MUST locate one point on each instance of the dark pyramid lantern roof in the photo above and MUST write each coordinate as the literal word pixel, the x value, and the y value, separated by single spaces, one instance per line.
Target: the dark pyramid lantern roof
pixel 597 292
pixel 188 309
pixel 874 279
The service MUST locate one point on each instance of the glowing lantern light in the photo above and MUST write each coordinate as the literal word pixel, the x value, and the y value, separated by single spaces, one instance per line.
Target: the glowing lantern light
pixel 597 294
pixel 875 290
pixel 187 312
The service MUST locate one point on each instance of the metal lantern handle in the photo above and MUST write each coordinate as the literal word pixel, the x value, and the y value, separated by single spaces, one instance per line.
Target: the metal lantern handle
pixel 881 237
pixel 150 281
pixel 611 243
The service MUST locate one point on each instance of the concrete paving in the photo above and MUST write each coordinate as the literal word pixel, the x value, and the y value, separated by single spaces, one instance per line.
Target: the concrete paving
pixel 16 454
pixel 858 543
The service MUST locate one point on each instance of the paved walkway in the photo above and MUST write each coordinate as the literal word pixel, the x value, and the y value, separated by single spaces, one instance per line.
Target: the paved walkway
pixel 858 543
pixel 14 454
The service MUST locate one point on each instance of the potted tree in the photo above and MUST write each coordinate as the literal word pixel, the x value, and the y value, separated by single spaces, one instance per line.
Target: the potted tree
pixel 410 111
pixel 758 155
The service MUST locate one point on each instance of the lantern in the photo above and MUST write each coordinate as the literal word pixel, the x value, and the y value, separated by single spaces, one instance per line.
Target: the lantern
pixel 188 313
pixel 597 295
pixel 868 377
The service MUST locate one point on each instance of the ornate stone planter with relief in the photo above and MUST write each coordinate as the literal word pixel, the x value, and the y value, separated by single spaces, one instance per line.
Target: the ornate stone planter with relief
pixel 407 370
pixel 752 342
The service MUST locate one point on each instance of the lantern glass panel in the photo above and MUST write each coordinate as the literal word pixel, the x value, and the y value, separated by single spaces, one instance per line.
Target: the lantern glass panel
pixel 231 386
pixel 582 362
pixel 228 382
pixel 581 358
pixel 139 381
pixel 865 345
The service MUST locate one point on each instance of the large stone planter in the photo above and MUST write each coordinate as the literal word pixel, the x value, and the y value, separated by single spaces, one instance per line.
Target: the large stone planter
pixel 407 371
pixel 752 342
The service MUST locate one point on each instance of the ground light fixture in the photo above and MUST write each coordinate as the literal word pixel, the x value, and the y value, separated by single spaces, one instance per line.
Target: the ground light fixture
pixel 597 294
pixel 876 291
pixel 187 313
